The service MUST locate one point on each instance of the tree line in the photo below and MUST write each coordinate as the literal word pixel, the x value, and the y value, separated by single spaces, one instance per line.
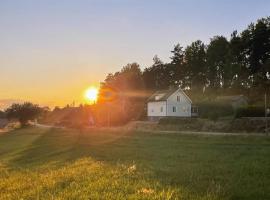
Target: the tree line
pixel 226 66
pixel 240 64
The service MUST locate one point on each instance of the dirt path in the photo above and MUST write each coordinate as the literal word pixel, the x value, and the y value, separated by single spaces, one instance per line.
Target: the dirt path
pixel 152 127
pixel 46 126
pixel 2 131
pixel 124 128
pixel 201 133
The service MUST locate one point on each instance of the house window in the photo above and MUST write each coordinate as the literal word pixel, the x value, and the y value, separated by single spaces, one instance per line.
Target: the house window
pixel 178 98
pixel 161 109
pixel 174 109
pixel 194 109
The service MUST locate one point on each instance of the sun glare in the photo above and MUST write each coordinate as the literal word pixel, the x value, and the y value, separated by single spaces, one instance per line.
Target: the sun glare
pixel 91 94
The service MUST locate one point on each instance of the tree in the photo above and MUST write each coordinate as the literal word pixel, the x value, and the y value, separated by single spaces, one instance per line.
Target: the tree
pixel 120 96
pixel 157 76
pixel 176 68
pixel 23 112
pixel 257 49
pixel 195 58
pixel 219 68
pixel 240 74
pixel 240 64
pixel 129 78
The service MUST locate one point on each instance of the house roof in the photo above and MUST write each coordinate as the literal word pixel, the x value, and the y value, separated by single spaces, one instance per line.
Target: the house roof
pixel 163 95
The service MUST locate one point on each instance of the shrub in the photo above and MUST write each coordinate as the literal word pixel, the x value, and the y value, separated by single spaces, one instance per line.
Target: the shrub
pixel 23 112
pixel 215 110
pixel 176 121
pixel 214 115
pixel 2 114
pixel 250 111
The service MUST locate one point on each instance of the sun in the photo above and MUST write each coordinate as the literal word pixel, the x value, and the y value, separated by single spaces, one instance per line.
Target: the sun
pixel 91 94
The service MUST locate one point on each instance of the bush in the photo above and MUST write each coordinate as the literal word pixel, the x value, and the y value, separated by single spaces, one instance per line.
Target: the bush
pixel 215 110
pixel 214 116
pixel 176 121
pixel 250 111
pixel 23 112
pixel 2 114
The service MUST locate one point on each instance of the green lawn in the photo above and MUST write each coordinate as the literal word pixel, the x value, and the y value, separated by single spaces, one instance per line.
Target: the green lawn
pixel 67 164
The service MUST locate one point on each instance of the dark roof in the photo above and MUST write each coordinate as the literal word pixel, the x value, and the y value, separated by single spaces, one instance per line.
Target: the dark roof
pixel 163 94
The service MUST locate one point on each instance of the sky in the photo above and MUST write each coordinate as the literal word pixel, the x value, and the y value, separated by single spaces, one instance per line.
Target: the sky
pixel 52 50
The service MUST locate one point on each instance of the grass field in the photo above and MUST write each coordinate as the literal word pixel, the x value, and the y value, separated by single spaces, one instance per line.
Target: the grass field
pixel 57 164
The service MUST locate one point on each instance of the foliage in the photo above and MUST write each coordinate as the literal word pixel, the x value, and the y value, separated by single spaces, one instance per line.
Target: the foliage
pixel 157 75
pixel 2 114
pixel 23 112
pixel 250 111
pixel 121 97
pixel 195 58
pixel 103 164
pixel 72 117
pixel 177 120
pixel 226 66
pixel 237 65
pixel 215 110
pixel 217 61
pixel 240 64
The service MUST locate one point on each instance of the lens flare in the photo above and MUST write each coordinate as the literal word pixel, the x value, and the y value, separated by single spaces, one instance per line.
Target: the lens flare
pixel 91 94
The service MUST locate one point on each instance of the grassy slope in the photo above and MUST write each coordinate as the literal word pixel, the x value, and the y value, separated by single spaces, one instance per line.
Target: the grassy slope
pixel 65 164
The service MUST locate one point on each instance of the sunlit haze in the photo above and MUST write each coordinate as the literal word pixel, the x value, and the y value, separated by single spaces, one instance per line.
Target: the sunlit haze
pixel 91 95
pixel 52 50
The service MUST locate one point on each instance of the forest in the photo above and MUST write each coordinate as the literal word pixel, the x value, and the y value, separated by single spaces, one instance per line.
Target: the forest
pixel 226 66
pixel 236 65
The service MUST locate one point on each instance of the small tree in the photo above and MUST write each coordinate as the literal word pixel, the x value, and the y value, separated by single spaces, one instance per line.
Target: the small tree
pixel 23 112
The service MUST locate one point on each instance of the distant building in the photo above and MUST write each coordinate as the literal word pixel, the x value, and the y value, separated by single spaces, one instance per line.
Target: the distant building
pixel 236 101
pixel 170 103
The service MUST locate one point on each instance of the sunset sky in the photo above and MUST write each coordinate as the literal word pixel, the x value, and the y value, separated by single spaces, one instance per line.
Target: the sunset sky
pixel 51 51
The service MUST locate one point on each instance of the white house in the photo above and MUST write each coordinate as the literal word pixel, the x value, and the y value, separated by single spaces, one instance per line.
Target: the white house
pixel 170 103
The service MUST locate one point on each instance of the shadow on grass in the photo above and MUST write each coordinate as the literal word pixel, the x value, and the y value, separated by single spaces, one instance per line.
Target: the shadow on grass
pixel 56 146
pixel 200 163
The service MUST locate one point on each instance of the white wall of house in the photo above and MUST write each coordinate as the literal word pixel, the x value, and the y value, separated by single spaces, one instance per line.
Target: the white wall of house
pixel 178 106
pixel 156 109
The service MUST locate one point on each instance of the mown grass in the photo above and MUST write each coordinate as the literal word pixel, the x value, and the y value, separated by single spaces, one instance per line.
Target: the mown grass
pixel 59 164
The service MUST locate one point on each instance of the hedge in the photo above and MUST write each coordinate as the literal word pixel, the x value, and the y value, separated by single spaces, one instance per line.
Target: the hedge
pixel 250 111
pixel 177 120
pixel 215 110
